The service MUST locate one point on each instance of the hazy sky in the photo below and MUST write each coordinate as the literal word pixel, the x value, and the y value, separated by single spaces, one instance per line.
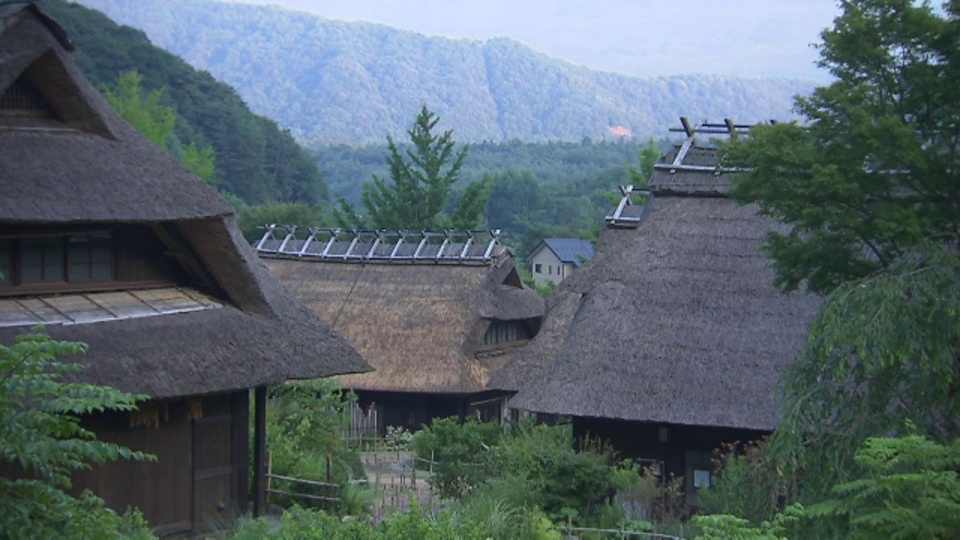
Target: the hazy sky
pixel 634 37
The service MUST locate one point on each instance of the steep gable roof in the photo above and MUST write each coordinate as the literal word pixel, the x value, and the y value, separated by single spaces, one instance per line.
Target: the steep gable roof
pixel 81 167
pixel 92 167
pixel 674 321
pixel 568 250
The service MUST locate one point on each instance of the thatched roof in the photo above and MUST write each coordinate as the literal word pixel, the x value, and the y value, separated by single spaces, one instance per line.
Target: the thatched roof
pixel 673 321
pixel 81 165
pixel 421 326
pixel 88 166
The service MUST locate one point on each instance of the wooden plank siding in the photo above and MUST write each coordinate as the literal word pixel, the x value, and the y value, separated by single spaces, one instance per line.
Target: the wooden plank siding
pixel 681 448
pixel 200 477
pixel 157 488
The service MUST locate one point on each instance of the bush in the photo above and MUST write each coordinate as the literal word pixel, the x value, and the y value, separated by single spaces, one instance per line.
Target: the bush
pixel 415 524
pixel 554 474
pixel 748 484
pixel 457 449
pixel 304 422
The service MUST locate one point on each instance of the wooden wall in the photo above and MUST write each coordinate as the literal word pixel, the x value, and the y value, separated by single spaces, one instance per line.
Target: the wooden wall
pixel 413 410
pixel 681 448
pixel 200 475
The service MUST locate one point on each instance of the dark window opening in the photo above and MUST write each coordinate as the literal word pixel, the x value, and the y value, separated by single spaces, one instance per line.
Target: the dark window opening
pixel 505 332
pixel 23 99
pixel 74 258
pixel 6 262
pixel 537 268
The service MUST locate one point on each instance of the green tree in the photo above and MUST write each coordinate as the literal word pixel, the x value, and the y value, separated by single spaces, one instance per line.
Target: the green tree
pixel 251 219
pixel 874 168
pixel 909 488
pixel 144 112
pixel 868 186
pixel 420 183
pixel 156 121
pixel 639 176
pixel 40 432
pixel 883 357
pixel 201 161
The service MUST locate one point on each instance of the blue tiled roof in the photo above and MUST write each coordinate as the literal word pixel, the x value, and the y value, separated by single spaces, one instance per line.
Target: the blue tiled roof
pixel 570 250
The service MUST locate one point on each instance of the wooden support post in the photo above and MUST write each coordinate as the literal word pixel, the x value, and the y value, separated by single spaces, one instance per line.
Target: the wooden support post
pixel 259 450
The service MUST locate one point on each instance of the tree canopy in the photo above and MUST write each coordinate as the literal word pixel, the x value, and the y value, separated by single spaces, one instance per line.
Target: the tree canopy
pixel 420 183
pixel 868 187
pixel 874 168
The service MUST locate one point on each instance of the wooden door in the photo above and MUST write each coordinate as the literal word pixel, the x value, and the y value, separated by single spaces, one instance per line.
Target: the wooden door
pixel 213 471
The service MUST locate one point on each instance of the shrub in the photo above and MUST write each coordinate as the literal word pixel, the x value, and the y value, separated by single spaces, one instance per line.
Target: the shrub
pixel 748 484
pixel 457 449
pixel 304 422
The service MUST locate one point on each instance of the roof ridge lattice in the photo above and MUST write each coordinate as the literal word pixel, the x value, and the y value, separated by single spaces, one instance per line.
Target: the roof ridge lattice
pixel 381 246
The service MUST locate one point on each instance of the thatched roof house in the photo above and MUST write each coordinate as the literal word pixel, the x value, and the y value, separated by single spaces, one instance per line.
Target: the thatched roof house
pixel 106 239
pixel 433 313
pixel 674 322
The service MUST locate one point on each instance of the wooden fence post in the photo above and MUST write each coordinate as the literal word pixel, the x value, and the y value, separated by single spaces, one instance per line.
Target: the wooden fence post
pixel 329 472
pixel 266 495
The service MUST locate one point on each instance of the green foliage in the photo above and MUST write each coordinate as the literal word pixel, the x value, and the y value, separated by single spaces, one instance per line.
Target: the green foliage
pixel 747 485
pixel 250 219
pixel 873 171
pixel 40 432
pixel 881 358
pixel 255 159
pixel 556 189
pixel 728 527
pixel 639 176
pixel 544 289
pixel 557 475
pixel 145 113
pixel 155 121
pixel 414 524
pixel 421 183
pixel 497 474
pixel 304 422
pixel 457 449
pixel 398 438
pixel 201 161
pixel 908 488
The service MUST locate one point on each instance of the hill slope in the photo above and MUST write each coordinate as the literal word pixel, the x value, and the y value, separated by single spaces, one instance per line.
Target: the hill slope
pixel 331 81
pixel 255 160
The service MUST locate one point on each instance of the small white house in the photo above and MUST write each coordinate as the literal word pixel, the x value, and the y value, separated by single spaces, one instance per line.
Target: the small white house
pixel 556 258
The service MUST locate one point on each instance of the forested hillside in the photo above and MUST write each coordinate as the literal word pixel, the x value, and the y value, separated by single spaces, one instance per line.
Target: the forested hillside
pixel 255 159
pixel 554 163
pixel 538 190
pixel 330 81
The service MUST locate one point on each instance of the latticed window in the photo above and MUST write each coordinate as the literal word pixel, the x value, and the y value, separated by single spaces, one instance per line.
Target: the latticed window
pixel 22 99
pixel 505 332
pixel 70 258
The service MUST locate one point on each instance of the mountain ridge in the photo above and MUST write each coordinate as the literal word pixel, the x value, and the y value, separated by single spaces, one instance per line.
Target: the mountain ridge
pixel 332 81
